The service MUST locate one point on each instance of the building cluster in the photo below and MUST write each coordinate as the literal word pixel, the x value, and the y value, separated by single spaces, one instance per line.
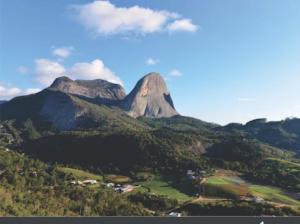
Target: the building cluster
pixel 84 182
pixel 252 199
pixel 195 175
pixel 120 188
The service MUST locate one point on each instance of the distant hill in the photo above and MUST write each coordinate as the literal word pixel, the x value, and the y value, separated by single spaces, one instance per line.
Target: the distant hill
pixel 282 134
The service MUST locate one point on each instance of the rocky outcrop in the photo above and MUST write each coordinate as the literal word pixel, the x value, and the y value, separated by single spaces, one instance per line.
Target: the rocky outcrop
pixel 69 104
pixel 150 97
pixel 97 88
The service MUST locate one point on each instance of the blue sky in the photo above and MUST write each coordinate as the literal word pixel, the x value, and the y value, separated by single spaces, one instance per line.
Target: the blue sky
pixel 224 61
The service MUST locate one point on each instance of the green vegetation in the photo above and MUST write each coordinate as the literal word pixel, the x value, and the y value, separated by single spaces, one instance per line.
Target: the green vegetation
pixel 278 172
pixel 29 187
pixel 123 151
pixel 283 134
pixel 232 208
pixel 159 186
pixel 273 194
pixel 181 123
pixel 79 174
pixel 117 179
pixel 220 186
pixel 154 202
pixel 234 187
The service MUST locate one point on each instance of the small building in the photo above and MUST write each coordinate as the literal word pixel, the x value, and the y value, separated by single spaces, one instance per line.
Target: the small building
pixel 76 182
pixel 108 184
pixel 89 182
pixel 123 189
pixel 191 175
pixel 258 200
pixel 174 214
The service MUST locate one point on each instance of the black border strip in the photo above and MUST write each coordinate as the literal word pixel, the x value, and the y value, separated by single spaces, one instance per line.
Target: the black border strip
pixel 150 220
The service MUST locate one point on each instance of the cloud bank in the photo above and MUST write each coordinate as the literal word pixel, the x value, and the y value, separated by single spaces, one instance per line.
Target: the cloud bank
pixel 10 92
pixel 47 70
pixel 152 61
pixel 104 18
pixel 62 52
pixel 175 73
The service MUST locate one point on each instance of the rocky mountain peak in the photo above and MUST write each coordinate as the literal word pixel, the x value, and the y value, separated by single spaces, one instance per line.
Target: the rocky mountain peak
pixel 150 97
pixel 97 88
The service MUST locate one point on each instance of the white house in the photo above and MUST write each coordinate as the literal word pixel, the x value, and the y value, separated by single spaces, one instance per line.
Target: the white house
pixel 258 199
pixel 191 174
pixel 108 184
pixel 89 182
pixel 124 189
pixel 76 182
pixel 175 214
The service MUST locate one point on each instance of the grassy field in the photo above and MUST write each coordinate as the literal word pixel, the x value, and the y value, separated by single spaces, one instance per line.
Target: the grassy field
pixel 225 186
pixel 117 179
pixel 269 193
pixel 291 164
pixel 273 194
pixel 161 187
pixel 80 174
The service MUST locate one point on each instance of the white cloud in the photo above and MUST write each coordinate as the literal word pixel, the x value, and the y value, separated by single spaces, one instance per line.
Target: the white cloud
pixel 175 73
pixel 63 52
pixel 182 25
pixel 31 91
pixel 104 18
pixel 245 99
pixel 47 70
pixel 93 70
pixel 22 69
pixel 151 61
pixel 9 92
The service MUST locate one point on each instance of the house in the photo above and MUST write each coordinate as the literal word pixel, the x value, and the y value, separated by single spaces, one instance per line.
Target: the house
pixel 175 214
pixel 123 189
pixel 127 188
pixel 190 172
pixel 89 182
pixel 76 182
pixel 258 200
pixel 191 175
pixel 108 184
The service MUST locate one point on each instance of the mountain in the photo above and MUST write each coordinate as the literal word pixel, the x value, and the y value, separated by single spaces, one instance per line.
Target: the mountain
pixel 97 88
pixel 69 105
pixel 150 98
pixel 282 134
pixel 2 101
pixel 62 111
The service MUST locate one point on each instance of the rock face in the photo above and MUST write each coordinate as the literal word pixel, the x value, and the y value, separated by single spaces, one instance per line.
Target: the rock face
pixel 69 104
pixel 97 88
pixel 150 97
